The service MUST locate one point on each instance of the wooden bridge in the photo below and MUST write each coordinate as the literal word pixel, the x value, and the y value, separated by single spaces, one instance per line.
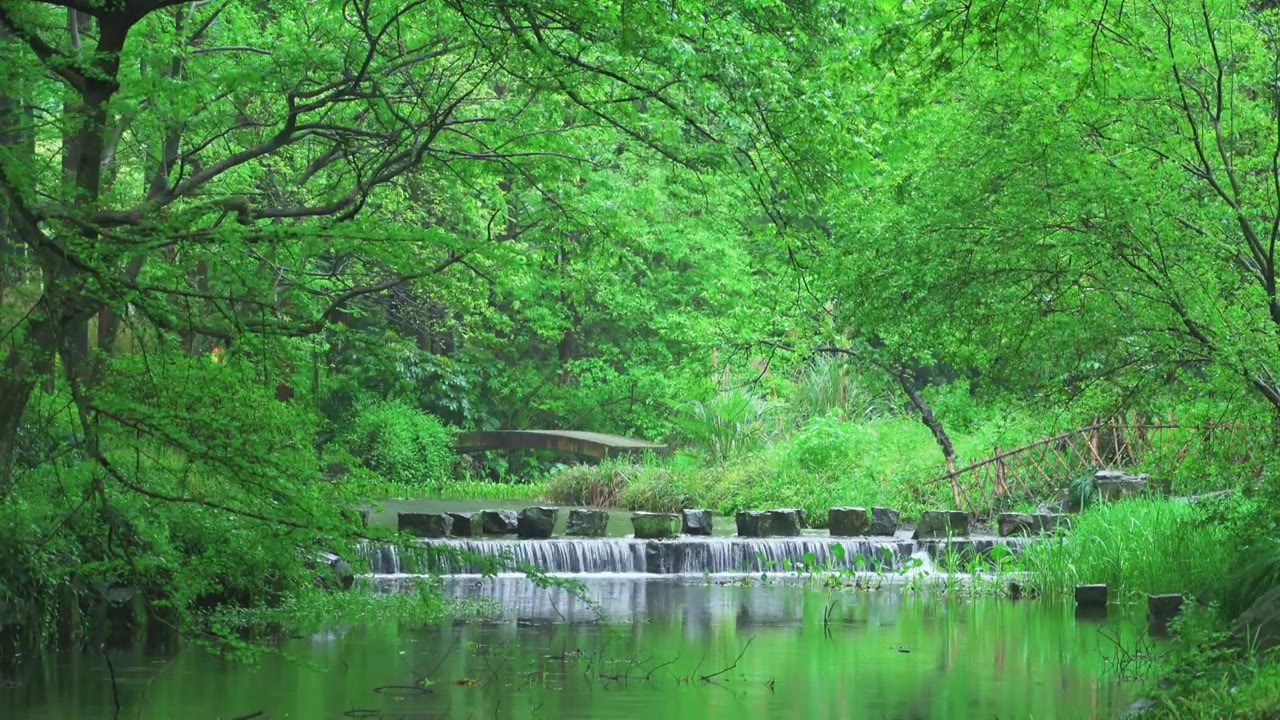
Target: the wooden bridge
pixel 597 445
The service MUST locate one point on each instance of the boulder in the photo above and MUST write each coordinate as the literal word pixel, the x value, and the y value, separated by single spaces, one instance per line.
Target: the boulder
pixel 1117 484
pixel 498 522
pixel 1259 626
pixel 1138 708
pixel 695 522
pixel 848 521
pixel 1052 508
pixel 1028 524
pixel 1206 497
pixel 942 523
pixel 884 521
pixel 1053 522
pixel 1017 524
pixel 587 523
pixel 462 524
pixel 1091 596
pixel 364 517
pixel 536 522
pixel 435 525
pixel 1161 609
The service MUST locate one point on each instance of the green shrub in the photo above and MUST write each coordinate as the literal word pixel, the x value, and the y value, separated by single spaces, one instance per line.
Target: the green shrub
pixel 830 385
pixel 730 423
pixel 403 444
pixel 600 485
pixel 1083 491
pixel 824 444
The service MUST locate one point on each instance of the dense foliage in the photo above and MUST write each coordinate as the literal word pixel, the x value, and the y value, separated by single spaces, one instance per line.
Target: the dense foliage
pixel 259 262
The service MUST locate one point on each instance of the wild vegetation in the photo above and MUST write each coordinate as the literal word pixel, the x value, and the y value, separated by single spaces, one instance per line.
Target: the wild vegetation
pixel 260 262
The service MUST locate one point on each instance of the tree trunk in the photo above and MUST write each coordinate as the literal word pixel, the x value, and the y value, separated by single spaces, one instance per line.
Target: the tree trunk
pixel 77 151
pixel 12 136
pixel 932 422
pixel 24 366
pixel 60 323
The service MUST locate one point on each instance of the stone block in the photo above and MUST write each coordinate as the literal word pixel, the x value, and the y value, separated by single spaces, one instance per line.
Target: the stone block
pixel 848 521
pixel 695 522
pixel 1091 596
pixel 587 523
pixel 498 522
pixel 655 526
pixel 884 521
pixel 536 522
pixel 941 524
pixel 1160 610
pixel 433 525
pixel 462 524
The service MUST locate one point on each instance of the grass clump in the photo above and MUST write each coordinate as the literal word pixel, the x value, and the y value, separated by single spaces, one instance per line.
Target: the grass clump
pixel 1136 547
pixel 488 490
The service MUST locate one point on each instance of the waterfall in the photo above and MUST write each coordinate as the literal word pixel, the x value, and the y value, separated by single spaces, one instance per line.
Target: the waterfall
pixel 714 555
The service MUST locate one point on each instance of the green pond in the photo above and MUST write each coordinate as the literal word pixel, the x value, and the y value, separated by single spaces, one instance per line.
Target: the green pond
pixel 642 651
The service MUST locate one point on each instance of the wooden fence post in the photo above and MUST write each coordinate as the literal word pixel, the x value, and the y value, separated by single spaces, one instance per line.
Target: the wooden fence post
pixel 1002 489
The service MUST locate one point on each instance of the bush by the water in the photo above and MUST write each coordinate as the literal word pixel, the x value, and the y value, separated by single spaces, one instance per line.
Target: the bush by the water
pixel 1136 547
pixel 402 444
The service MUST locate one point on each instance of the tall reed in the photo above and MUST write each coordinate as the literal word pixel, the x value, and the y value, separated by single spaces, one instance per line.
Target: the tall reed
pixel 1136 547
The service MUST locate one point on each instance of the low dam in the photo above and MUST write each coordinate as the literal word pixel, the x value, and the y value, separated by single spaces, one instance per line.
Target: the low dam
pixel 689 554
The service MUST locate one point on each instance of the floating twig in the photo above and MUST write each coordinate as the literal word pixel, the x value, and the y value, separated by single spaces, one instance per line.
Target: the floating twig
pixel 707 678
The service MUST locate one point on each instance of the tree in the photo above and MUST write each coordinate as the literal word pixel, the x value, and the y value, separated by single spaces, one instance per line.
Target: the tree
pixel 207 187
pixel 212 143
pixel 1062 199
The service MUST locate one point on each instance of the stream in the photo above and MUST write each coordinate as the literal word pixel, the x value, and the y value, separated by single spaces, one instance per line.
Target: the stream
pixel 666 648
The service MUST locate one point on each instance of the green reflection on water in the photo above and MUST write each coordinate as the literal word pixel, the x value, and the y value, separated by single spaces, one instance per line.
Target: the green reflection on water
pixel 885 656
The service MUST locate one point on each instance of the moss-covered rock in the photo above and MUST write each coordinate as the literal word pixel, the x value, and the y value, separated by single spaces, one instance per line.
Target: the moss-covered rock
pixel 655 526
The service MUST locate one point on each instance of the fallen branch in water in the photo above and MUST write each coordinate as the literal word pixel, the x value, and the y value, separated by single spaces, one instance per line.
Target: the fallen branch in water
pixel 656 668
pixel 707 678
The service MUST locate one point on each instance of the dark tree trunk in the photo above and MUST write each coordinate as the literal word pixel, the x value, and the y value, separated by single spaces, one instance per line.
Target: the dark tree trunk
pixel 60 323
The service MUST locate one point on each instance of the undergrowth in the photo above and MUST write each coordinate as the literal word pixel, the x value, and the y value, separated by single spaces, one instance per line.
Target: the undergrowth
pixel 1136 547
pixel 828 460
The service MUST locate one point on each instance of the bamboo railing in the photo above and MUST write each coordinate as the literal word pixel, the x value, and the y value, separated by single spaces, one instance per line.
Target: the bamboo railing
pixel 1038 470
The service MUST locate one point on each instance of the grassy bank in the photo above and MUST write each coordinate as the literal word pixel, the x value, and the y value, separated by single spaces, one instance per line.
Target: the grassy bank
pixel 1139 547
pixel 827 461
pixel 1220 553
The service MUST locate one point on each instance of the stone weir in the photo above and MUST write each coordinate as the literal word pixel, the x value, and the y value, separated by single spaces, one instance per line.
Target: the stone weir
pixel 686 555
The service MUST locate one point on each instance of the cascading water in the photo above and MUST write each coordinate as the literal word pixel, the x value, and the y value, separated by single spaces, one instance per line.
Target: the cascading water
pixel 670 557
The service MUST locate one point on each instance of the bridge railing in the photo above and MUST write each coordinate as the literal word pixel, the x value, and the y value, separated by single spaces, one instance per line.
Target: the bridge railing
pixel 1039 470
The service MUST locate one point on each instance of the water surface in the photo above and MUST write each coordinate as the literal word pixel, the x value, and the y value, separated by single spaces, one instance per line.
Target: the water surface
pixel 804 653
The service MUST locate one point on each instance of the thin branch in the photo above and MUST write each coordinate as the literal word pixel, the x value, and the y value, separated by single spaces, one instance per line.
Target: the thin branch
pixel 708 678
